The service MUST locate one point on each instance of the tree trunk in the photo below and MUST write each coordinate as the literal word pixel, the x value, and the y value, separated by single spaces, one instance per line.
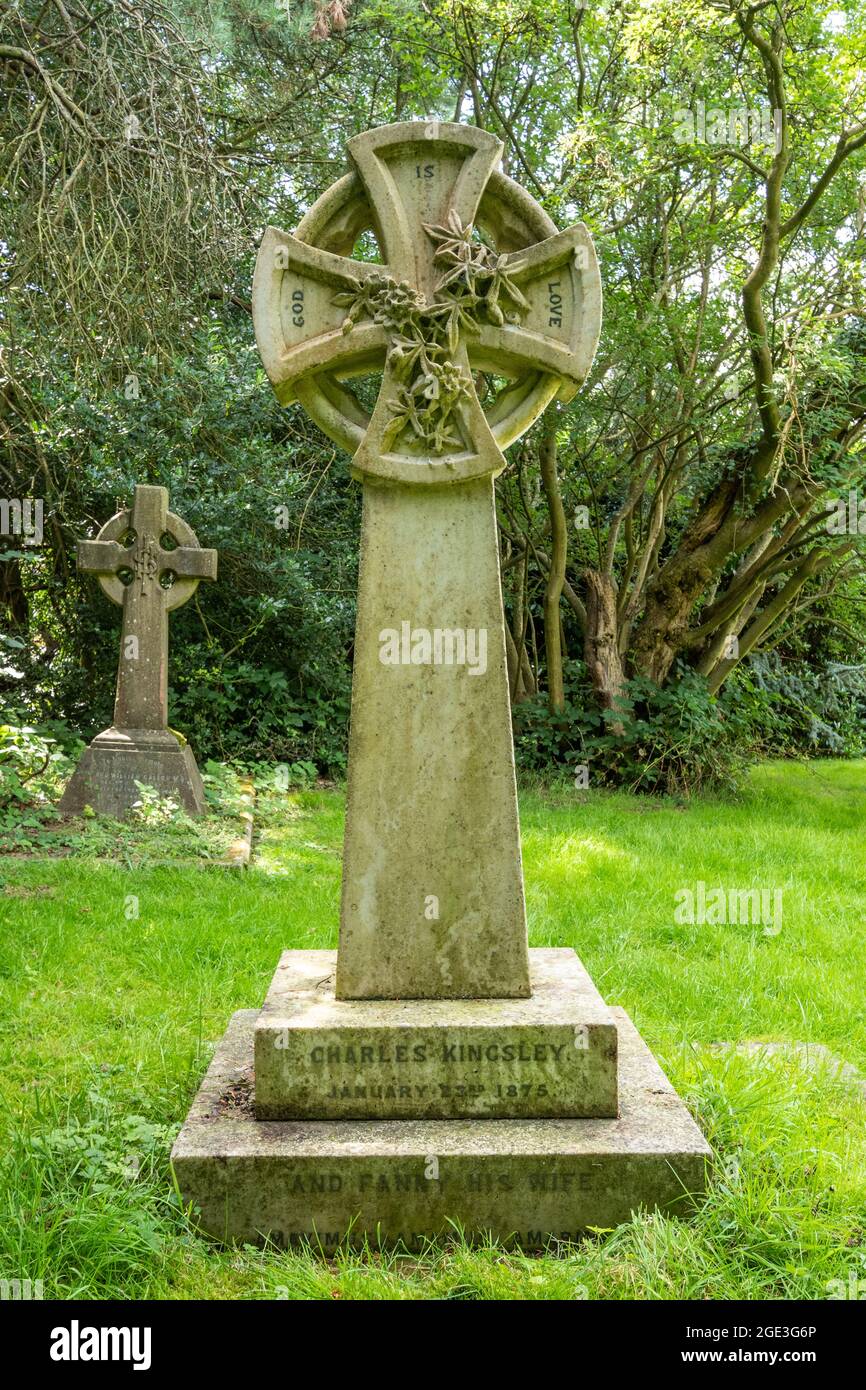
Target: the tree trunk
pixel 556 572
pixel 520 677
pixel 600 646
pixel 13 598
pixel 670 601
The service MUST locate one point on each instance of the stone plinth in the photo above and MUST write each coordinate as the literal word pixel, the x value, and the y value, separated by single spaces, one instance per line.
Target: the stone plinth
pixel 523 1181
pixel 109 768
pixel 318 1057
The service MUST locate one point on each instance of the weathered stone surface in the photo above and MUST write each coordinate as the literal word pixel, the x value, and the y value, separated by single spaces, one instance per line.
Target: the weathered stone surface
pixel 432 904
pixel 118 758
pixel 317 1057
pixel 389 1180
pixel 432 897
pixel 149 561
pixel 432 952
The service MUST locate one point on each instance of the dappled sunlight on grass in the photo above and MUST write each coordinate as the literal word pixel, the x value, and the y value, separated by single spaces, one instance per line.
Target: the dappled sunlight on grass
pixel 572 853
pixel 107 1019
pixel 298 831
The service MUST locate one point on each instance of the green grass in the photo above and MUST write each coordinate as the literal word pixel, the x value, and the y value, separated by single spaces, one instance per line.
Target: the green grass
pixel 106 1020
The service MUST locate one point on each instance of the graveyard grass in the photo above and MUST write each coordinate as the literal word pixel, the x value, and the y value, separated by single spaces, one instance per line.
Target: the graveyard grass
pixel 107 1025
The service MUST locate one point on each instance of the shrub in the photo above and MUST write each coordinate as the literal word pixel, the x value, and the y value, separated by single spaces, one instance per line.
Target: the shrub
pixel 793 708
pixel 674 739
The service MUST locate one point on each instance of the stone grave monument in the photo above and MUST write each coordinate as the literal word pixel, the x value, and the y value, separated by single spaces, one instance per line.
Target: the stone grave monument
pixel 433 1070
pixel 147 560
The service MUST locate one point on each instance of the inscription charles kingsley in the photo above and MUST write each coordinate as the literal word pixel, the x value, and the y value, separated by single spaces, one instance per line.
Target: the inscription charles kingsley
pixel 410 1070
pixel 373 1072
pixel 327 1061
pixel 347 1054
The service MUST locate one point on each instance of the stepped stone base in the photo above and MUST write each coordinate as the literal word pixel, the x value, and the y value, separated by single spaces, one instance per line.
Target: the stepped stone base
pixel 523 1181
pixel 118 758
pixel 321 1058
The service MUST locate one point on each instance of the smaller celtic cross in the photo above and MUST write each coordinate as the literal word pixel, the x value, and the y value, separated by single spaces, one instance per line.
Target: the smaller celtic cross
pixel 149 561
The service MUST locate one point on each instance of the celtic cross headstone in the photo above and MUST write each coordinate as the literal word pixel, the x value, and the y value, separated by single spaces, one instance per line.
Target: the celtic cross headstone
pixel 149 562
pixel 432 903
pixel 515 1102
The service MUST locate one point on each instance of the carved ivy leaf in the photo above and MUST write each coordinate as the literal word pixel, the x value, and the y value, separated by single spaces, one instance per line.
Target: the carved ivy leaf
pixel 403 353
pixel 509 288
pixel 458 272
pixel 454 329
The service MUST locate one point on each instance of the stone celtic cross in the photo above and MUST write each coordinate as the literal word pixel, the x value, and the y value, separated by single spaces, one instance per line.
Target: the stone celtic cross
pixel 432 1071
pixel 478 313
pixel 149 561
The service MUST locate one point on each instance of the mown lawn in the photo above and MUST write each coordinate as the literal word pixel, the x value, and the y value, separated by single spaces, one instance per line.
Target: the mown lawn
pixel 106 1020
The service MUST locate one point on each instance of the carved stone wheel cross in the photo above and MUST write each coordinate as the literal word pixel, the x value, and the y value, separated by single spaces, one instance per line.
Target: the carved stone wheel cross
pixel 149 562
pixel 475 285
pixel 410 177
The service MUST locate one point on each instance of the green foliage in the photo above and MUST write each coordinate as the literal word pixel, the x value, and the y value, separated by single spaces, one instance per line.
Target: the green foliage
pixel 679 738
pixel 33 767
pixel 281 777
pixel 796 709
pixel 589 102
pixel 675 739
pixel 152 809
pixel 260 661
pixel 546 742
pixel 27 755
pixel 33 772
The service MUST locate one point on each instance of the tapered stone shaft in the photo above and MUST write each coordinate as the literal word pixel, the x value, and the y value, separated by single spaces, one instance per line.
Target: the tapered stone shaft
pixel 432 903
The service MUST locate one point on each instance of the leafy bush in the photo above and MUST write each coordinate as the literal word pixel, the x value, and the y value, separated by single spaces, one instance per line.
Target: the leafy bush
pixel 33 766
pixel 27 755
pixel 153 809
pixel 676 739
pixel 547 743
pixel 680 738
pixel 793 708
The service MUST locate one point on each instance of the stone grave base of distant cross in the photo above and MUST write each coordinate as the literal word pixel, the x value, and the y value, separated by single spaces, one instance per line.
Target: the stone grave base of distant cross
pixel 433 1074
pixel 109 768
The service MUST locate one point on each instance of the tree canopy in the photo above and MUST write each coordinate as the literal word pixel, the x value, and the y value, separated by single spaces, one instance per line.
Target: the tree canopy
pixel 664 532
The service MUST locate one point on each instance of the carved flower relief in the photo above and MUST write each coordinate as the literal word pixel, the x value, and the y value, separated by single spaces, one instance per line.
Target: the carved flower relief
pixel 393 303
pixel 430 406
pixel 480 271
pixel 423 338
